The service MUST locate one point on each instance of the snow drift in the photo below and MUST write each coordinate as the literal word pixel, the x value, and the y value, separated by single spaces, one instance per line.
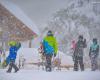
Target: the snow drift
pixel 32 56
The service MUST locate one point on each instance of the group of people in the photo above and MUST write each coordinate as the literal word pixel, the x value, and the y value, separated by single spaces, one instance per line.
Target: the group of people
pixel 49 49
pixel 78 52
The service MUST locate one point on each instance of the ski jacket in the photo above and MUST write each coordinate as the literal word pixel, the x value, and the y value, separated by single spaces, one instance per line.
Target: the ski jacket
pixel 13 53
pixel 80 45
pixel 50 45
pixel 94 50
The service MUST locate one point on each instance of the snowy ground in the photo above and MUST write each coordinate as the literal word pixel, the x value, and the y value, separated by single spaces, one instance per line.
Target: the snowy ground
pixel 55 75
pixel 31 72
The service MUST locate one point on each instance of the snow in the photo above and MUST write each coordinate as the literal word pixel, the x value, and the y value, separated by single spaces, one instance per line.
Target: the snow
pixel 32 55
pixel 54 75
pixel 65 60
pixel 17 12
pixel 33 73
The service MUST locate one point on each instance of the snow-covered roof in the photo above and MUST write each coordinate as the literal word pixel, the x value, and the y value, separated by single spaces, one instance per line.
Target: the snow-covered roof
pixel 17 12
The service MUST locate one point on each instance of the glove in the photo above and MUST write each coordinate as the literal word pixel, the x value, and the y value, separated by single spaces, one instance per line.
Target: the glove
pixel 54 54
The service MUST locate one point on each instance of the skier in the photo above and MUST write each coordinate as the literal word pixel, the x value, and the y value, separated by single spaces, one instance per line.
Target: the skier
pixel 50 49
pixel 93 54
pixel 78 53
pixel 14 47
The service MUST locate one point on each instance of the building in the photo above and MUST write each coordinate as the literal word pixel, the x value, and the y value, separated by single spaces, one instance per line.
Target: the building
pixel 15 25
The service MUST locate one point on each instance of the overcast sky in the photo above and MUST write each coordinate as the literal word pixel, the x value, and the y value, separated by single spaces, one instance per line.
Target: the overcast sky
pixel 40 11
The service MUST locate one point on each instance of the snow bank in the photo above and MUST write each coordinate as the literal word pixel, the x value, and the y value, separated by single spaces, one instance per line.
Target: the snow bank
pixel 32 55
pixel 65 60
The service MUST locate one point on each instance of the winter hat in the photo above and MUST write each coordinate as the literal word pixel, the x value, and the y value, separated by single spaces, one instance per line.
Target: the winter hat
pixel 49 33
pixel 12 43
pixel 95 40
pixel 80 36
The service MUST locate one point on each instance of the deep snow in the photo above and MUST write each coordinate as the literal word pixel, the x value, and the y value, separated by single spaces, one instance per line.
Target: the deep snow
pixel 55 75
pixel 32 55
pixel 34 73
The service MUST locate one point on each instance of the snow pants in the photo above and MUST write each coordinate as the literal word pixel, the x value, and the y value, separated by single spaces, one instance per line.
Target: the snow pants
pixel 48 62
pixel 12 65
pixel 94 63
pixel 78 61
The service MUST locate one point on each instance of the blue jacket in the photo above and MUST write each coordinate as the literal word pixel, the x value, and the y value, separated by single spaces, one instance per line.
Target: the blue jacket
pixel 12 54
pixel 47 48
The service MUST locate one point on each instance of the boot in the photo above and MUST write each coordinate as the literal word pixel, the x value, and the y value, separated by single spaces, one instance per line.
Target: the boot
pixel 16 70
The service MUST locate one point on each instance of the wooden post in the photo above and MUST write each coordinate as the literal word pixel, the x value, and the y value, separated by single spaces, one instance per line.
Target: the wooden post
pixel 30 43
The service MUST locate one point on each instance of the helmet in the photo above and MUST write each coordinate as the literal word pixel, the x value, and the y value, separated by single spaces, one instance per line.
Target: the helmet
pixel 49 33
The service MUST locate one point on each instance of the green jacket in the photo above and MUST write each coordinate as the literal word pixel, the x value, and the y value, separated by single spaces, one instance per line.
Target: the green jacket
pixel 51 41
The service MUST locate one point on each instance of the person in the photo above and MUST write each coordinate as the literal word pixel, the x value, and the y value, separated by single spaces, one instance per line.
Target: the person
pixel 73 46
pixel 0 55
pixel 14 47
pixel 42 55
pixel 78 54
pixel 50 49
pixel 41 49
pixel 93 54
